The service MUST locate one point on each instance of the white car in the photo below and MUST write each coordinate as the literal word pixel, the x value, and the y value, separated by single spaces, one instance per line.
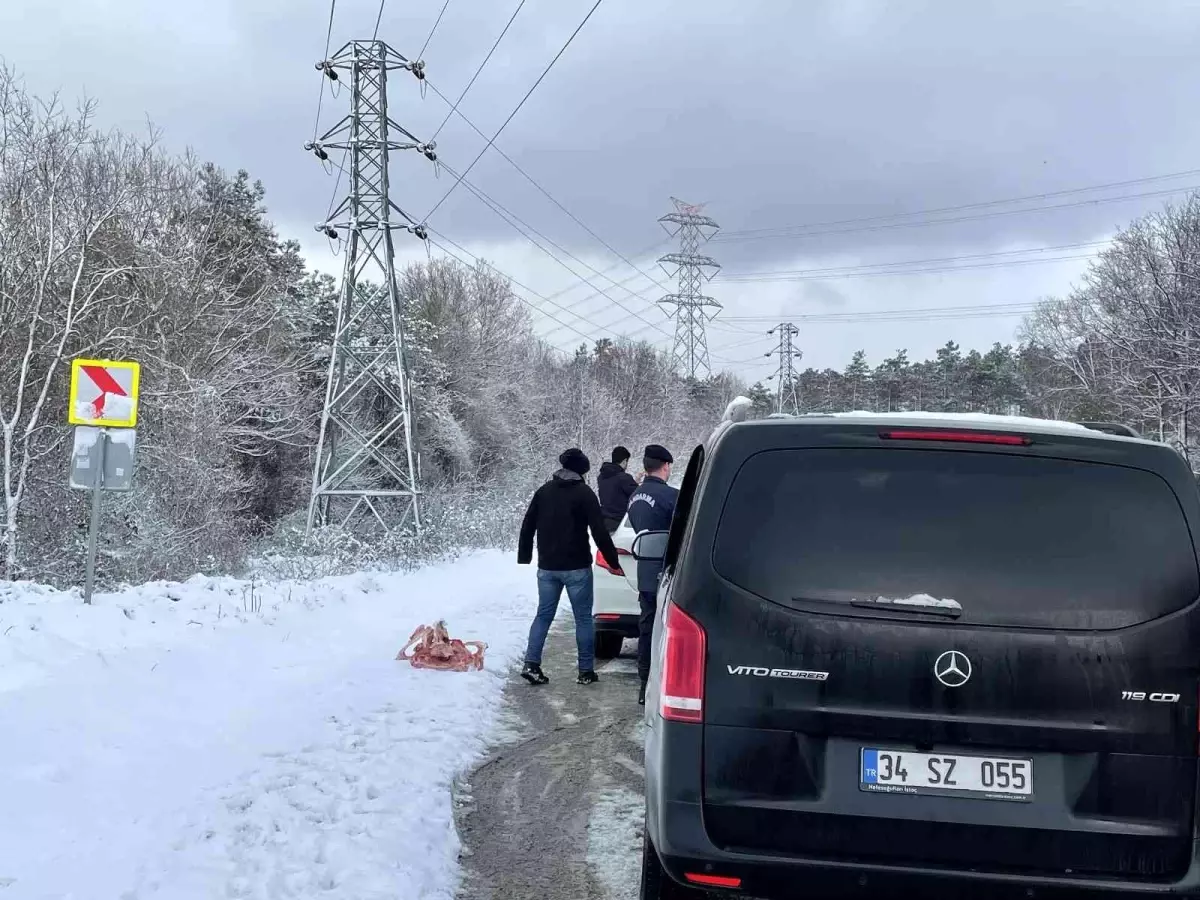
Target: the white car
pixel 615 608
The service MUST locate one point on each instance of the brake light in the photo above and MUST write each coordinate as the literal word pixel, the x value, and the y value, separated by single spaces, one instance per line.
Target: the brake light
pixel 717 881
pixel 684 653
pixel 603 563
pixel 962 437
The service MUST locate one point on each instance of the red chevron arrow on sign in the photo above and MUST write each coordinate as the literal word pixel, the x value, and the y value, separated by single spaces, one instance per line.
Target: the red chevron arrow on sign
pixel 104 381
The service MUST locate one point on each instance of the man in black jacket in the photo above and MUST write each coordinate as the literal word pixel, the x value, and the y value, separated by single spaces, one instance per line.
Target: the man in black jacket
pixel 651 509
pixel 560 514
pixel 615 486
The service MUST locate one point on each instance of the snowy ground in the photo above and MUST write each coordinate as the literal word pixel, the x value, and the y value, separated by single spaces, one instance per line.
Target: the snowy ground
pixel 217 739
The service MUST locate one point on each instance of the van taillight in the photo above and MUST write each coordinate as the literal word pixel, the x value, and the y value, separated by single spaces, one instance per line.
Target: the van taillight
pixel 718 881
pixel 962 437
pixel 684 653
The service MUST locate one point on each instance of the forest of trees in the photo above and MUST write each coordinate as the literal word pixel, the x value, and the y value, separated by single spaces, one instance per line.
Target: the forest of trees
pixel 1002 380
pixel 111 246
pixel 1122 346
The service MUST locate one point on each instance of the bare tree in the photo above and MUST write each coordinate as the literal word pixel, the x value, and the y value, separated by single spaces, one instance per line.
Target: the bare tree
pixel 1129 335
pixel 70 199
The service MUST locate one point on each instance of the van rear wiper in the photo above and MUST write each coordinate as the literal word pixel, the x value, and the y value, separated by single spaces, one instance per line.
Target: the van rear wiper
pixel 918 604
pixel 922 604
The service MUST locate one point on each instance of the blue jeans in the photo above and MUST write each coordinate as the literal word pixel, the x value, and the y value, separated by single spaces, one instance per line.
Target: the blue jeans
pixel 578 583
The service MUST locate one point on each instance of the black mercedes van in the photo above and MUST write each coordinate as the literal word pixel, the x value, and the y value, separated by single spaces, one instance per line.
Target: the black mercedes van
pixel 896 655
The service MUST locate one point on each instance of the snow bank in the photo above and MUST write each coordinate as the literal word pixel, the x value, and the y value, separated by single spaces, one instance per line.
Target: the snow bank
pixel 220 738
pixel 43 629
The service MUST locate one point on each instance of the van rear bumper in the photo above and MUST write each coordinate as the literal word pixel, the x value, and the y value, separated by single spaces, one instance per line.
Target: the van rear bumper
pixel 675 824
pixel 677 832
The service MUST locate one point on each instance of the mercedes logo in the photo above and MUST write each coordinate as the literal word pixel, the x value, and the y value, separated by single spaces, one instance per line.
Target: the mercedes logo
pixel 952 668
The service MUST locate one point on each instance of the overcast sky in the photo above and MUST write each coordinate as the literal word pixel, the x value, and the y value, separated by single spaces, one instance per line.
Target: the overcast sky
pixel 810 129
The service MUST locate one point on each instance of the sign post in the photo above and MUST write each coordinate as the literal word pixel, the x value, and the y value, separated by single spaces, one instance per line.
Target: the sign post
pixel 94 524
pixel 104 396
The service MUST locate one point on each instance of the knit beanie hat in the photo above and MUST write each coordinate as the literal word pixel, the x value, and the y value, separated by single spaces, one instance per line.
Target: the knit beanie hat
pixel 574 460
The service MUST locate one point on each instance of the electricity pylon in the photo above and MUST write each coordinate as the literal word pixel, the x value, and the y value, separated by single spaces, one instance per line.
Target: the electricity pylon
pixel 786 373
pixel 366 463
pixel 691 313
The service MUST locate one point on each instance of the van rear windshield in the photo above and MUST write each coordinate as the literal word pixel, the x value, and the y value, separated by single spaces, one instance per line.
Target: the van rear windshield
pixel 1013 540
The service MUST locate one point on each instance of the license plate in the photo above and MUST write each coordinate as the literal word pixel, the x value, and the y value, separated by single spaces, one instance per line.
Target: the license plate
pixel 946 774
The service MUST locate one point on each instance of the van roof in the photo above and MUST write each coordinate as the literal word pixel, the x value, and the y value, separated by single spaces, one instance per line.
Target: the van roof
pixel 985 421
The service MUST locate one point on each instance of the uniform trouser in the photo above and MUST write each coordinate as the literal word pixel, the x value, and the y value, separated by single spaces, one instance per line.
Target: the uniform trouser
pixel 648 601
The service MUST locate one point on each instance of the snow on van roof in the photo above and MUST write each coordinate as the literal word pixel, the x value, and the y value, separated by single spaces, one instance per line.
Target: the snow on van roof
pixel 986 420
pixel 962 420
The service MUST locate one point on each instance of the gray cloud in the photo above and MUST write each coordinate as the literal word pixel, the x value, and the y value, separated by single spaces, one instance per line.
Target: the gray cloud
pixel 794 113
pixel 820 292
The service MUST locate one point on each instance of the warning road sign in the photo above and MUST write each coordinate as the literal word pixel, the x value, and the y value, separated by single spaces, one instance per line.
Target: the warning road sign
pixel 104 393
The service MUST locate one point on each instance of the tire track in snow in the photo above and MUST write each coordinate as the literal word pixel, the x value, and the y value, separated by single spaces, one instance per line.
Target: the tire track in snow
pixel 557 814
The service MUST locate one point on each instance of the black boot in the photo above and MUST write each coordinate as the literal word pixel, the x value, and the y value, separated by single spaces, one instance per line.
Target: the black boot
pixel 588 677
pixel 533 674
pixel 642 694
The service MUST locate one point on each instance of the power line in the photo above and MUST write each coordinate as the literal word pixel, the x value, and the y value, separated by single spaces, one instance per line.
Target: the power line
pixel 963 307
pixel 965 206
pixel 905 315
pixel 432 30
pixel 594 295
pixel 513 114
pixel 925 317
pixel 757 338
pixel 512 220
pixel 530 290
pixel 978 216
pixel 611 249
pixel 378 19
pixel 907 262
pixel 624 281
pixel 454 106
pixel 937 270
pixel 475 260
pixel 328 44
pixel 754 360
pixel 736 332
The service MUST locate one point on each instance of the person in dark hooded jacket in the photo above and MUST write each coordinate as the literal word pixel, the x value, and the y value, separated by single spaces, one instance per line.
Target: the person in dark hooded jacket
pixel 615 486
pixel 560 515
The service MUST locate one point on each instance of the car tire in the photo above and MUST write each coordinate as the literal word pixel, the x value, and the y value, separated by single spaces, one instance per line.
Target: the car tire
pixel 608 644
pixel 656 884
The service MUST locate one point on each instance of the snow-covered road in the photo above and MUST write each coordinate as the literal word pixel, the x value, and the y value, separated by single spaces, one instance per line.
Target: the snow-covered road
pixel 168 744
pixel 556 812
